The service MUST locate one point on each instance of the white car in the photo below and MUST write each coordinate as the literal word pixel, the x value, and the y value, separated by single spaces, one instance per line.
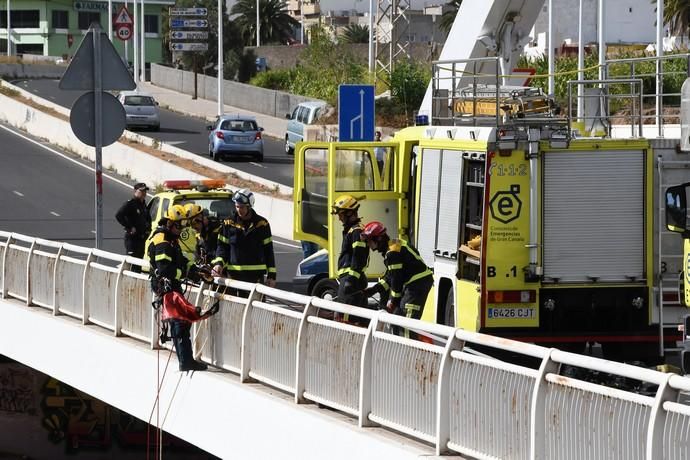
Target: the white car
pixel 141 110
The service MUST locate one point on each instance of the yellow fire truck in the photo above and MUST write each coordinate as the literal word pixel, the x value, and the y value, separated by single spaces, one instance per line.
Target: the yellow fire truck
pixel 539 226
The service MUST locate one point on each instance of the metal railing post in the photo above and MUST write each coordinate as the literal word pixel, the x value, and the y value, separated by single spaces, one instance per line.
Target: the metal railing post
pixel 28 272
pixel 85 279
pixel 244 355
pixel 537 424
pixel 443 400
pixel 55 275
pixel 117 321
pixel 365 374
pixel 657 419
pixel 309 310
pixel 3 290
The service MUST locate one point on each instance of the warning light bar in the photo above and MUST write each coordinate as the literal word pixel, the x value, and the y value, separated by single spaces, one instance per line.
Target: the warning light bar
pixel 191 184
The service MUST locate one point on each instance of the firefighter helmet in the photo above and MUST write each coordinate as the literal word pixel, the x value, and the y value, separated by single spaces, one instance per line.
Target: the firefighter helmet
pixel 344 203
pixel 373 230
pixel 244 196
pixel 193 210
pixel 177 213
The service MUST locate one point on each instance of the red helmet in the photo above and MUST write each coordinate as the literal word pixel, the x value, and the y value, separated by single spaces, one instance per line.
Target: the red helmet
pixel 373 229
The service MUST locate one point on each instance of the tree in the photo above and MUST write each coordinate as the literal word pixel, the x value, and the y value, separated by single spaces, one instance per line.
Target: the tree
pixel 276 25
pixel 677 15
pixel 355 33
pixel 448 17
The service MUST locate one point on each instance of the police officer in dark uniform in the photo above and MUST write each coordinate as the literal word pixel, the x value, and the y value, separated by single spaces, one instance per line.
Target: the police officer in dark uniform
pixel 407 277
pixel 135 219
pixel 245 244
pixel 354 253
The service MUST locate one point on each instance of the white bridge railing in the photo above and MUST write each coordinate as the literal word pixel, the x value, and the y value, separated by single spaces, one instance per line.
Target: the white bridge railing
pixel 445 394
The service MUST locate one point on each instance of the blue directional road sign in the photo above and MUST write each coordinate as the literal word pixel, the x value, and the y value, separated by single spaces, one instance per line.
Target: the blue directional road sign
pixel 356 113
pixel 190 23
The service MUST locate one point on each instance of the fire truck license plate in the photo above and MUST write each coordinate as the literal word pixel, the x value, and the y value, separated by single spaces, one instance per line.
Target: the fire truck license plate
pixel 512 312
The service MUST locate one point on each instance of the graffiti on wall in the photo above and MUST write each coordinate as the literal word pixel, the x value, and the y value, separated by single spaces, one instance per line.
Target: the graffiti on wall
pixel 17 390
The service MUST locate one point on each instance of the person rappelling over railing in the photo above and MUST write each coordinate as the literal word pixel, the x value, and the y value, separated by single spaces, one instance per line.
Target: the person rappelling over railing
pixel 169 267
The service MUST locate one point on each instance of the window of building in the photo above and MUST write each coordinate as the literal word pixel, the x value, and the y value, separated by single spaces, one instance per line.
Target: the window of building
pixel 21 19
pixel 150 24
pixel 87 17
pixel 60 19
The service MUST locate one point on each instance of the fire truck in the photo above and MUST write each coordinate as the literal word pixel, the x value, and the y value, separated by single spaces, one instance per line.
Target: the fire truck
pixel 541 222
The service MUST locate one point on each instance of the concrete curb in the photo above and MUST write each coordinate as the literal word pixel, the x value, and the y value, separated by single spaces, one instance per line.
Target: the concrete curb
pixel 128 161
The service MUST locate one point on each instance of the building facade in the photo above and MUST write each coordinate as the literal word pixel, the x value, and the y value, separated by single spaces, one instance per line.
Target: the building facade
pixel 56 27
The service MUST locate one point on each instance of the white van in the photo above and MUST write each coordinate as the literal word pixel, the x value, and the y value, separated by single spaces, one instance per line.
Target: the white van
pixel 306 113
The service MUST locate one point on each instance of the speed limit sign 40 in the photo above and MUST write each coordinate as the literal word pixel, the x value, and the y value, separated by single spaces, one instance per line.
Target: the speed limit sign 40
pixel 123 31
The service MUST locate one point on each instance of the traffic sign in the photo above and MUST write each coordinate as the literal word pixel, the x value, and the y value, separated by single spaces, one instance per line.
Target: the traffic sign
pixel 188 35
pixel 123 31
pixel 356 113
pixel 81 118
pixel 189 46
pixel 188 11
pixel 188 23
pixel 123 16
pixel 80 72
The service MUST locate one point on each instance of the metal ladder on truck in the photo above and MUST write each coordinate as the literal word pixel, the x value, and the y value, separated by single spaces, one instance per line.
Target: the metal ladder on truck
pixel 667 290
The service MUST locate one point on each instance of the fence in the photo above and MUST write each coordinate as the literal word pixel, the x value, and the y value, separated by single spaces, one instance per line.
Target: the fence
pixel 445 393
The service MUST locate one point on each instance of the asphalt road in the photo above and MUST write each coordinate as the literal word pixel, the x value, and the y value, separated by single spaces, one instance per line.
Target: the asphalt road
pixel 185 132
pixel 47 193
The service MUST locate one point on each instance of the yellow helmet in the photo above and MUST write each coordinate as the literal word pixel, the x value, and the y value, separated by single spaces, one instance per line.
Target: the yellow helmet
pixel 177 213
pixel 344 203
pixel 193 210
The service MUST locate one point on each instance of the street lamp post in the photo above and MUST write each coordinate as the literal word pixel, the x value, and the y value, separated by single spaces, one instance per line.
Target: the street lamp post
pixel 135 45
pixel 258 25
pixel 143 46
pixel 110 20
pixel 371 35
pixel 301 18
pixel 219 77
pixel 9 31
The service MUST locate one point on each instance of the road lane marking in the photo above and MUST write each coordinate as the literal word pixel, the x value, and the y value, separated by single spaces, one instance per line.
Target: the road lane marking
pixel 257 164
pixel 55 214
pixel 114 179
pixel 175 142
pixel 17 193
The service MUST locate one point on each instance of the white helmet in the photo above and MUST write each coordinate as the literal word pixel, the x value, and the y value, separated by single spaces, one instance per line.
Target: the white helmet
pixel 244 196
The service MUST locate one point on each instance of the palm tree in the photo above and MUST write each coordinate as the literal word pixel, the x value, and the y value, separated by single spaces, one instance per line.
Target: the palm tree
pixel 355 33
pixel 448 18
pixel 677 15
pixel 276 25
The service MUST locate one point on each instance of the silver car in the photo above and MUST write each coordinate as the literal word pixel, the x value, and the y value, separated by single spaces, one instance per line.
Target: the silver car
pixel 141 110
pixel 235 135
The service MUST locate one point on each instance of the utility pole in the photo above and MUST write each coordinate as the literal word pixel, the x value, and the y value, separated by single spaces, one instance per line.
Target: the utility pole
pixel 9 31
pixel 219 77
pixel 371 36
pixel 135 46
pixel 143 46
pixel 110 20
pixel 258 25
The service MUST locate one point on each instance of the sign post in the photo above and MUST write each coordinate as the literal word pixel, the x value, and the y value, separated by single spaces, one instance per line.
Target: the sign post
pixel 189 18
pixel 123 24
pixel 97 67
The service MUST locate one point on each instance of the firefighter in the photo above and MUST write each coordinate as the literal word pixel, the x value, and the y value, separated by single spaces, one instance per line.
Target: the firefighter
pixel 245 244
pixel 169 266
pixel 135 219
pixel 354 253
pixel 207 229
pixel 407 277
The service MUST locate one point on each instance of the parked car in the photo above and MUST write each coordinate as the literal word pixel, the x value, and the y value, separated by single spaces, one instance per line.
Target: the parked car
pixel 312 277
pixel 235 135
pixel 141 110
pixel 306 113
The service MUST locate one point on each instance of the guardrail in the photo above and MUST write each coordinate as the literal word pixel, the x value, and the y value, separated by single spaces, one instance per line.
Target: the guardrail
pixel 528 406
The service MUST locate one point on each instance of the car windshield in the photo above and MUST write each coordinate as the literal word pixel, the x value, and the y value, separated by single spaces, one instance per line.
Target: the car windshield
pixel 238 125
pixel 220 207
pixel 139 100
